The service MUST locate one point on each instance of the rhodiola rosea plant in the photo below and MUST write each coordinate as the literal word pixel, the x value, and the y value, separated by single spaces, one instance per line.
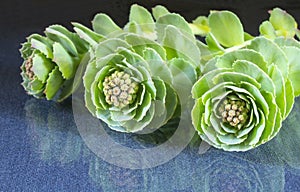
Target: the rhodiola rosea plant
pixel 248 86
pixel 143 74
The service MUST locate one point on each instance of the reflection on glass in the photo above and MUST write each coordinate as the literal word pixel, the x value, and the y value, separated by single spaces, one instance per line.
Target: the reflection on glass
pixel 55 138
pixel 52 131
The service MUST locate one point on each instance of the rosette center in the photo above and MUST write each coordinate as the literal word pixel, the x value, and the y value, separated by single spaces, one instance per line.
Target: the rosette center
pixel 234 111
pixel 119 89
pixel 28 68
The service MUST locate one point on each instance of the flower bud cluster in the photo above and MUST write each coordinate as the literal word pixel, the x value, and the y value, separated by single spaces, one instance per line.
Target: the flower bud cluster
pixel 234 112
pixel 119 89
pixel 28 68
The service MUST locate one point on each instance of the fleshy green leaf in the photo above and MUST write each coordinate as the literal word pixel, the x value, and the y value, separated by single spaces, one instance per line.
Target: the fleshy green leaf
pixel 293 55
pixel 271 52
pixel 41 67
pixel 228 59
pixel 139 44
pixel 171 102
pixel 284 24
pixel 63 39
pixel 205 83
pixel 178 45
pixel 54 83
pixel 267 29
pixel 26 50
pixel 71 85
pixel 213 43
pixel 143 18
pixel 64 61
pixel 289 96
pixel 280 89
pixel 159 11
pixel 134 126
pixel 184 76
pixel 234 77
pixel 175 20
pixel 42 44
pixel 157 65
pixel 35 86
pixel 197 112
pixel 103 25
pixel 249 68
pixel 87 34
pixel 231 139
pixel 79 44
pixel 255 134
pixel 110 46
pixel 200 26
pixel 226 27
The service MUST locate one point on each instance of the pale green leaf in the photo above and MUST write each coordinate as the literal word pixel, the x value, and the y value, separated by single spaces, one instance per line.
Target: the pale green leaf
pixel 175 20
pixel 41 67
pixel 271 53
pixel 143 18
pixel 200 26
pixel 110 46
pixel 64 61
pixel 104 25
pixel 61 38
pixel 42 44
pixel 231 139
pixel 184 77
pixel 293 55
pixel 134 126
pixel 280 89
pixel 289 96
pixel 54 83
pixel 226 27
pixel 267 29
pixel 157 65
pixel 159 11
pixel 178 45
pixel 87 34
pixel 80 45
pixel 140 43
pixel 284 24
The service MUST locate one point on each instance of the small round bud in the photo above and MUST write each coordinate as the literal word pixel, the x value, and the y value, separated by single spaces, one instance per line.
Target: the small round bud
pixel 224 114
pixel 227 107
pixel 234 107
pixel 231 113
pixel 241 117
pixel 116 91
pixel 235 120
pixel 229 119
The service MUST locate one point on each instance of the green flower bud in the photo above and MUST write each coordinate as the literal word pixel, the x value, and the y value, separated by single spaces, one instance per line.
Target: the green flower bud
pixel 50 63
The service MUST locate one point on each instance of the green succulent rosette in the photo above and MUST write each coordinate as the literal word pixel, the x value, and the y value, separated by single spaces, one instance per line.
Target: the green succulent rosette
pixel 50 63
pixel 129 86
pixel 244 95
pixel 137 74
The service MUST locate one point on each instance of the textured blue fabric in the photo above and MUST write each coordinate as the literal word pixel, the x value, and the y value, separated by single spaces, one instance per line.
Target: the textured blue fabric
pixel 42 150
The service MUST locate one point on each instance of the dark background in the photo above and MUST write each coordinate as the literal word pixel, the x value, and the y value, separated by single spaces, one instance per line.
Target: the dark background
pixel 21 167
